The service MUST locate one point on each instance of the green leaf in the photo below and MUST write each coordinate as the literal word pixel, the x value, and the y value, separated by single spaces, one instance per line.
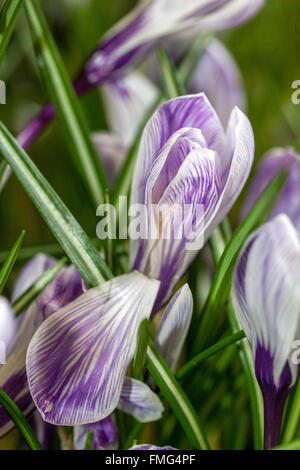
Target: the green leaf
pixel 176 398
pixel 33 291
pixel 143 338
pixel 66 103
pixel 191 59
pixel 171 82
pixel 8 17
pixel 10 261
pixel 295 445
pixel 221 284
pixel 292 418
pixel 196 361
pixel 64 226
pixel 20 421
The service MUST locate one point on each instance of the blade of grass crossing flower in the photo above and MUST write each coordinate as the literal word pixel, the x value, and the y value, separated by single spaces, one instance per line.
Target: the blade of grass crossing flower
pixel 256 400
pixel 66 103
pixel 176 398
pixel 221 284
pixel 20 421
pixel 292 418
pixel 141 349
pixel 192 58
pixel 33 291
pixel 8 17
pixel 64 226
pixel 10 261
pixel 196 361
pixel 172 85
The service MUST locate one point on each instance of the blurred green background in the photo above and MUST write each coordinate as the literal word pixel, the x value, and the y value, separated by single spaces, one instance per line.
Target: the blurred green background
pixel 266 49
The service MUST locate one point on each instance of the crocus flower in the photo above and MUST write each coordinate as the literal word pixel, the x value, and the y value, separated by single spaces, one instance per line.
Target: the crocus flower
pixel 267 300
pixel 65 288
pixel 126 101
pixel 274 162
pixel 154 20
pixel 185 161
pixel 78 357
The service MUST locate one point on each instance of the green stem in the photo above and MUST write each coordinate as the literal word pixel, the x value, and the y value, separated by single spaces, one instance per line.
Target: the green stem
pixel 176 398
pixel 293 416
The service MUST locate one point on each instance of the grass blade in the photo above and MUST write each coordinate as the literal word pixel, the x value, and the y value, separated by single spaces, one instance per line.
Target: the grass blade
pixel 171 83
pixel 10 261
pixel 176 398
pixel 33 291
pixel 196 361
pixel 8 17
pixel 64 226
pixel 66 103
pixel 20 421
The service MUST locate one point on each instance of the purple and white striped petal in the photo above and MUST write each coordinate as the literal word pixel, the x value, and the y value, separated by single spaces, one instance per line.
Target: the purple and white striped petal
pixel 272 163
pixel 153 20
pixel 8 328
pixel 218 76
pixel 138 400
pixel 174 325
pixel 127 101
pixel 77 359
pixel 151 447
pixel 105 435
pixel 13 379
pixel 267 301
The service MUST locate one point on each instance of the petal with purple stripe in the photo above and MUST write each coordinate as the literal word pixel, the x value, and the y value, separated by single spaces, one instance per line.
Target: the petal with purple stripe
pixel 138 400
pixel 77 359
pixel 105 435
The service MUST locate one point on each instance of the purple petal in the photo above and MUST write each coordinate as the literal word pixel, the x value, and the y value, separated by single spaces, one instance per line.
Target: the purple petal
pixel 8 328
pixel 77 360
pixel 13 379
pixel 267 300
pixel 174 325
pixel 105 435
pixel 193 112
pixel 218 76
pixel 151 447
pixel 288 202
pixel 139 401
pixel 30 273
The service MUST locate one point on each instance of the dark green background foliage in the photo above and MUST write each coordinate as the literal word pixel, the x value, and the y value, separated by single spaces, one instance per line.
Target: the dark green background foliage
pixel 266 49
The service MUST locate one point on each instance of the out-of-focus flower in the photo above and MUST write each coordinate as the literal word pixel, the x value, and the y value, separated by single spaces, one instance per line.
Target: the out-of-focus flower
pixel 105 435
pixel 77 359
pixel 288 202
pixel 150 447
pixel 267 300
pixel 218 76
pixel 8 325
pixel 186 164
pixel 65 288
pixel 154 20
pixel 126 101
